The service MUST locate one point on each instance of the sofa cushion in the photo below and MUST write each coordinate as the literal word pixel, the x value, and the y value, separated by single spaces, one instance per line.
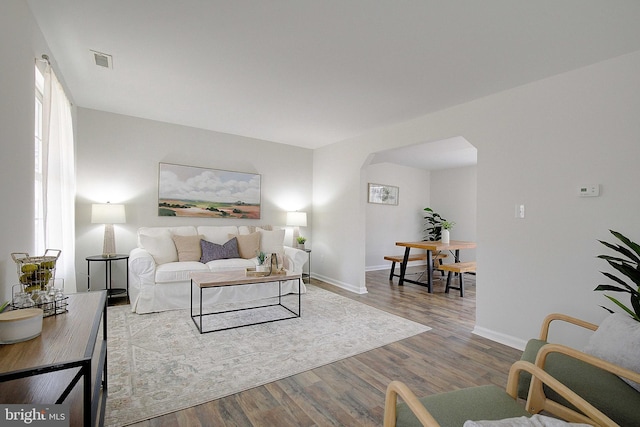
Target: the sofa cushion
pixel 160 246
pixel 188 247
pixel 617 340
pixel 230 264
pixel 212 251
pixel 177 271
pixel 248 244
pixel 184 230
pixel 217 234
pixel 272 241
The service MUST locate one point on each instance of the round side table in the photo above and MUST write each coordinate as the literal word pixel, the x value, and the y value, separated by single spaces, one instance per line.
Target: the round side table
pixel 107 273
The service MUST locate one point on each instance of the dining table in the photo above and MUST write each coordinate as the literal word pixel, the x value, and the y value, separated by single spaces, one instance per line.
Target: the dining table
pixel 453 246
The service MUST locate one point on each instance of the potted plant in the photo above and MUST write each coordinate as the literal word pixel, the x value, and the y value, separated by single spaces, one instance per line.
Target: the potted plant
pixel 301 241
pixel 628 265
pixel 446 226
pixel 262 258
pixel 433 227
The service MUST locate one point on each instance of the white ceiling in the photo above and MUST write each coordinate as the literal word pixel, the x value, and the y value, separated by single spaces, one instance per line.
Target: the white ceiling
pixel 314 72
pixel 444 154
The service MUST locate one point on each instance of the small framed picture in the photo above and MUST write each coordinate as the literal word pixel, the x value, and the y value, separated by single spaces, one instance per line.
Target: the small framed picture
pixel 383 194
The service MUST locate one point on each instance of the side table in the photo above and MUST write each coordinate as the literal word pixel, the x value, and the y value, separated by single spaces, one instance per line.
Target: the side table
pixel 66 363
pixel 307 275
pixel 107 273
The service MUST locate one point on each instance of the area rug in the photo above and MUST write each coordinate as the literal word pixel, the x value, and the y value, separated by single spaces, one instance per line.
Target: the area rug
pixel 159 363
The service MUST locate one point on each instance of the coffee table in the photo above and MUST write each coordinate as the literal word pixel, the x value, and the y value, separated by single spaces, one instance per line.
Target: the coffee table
pixel 212 280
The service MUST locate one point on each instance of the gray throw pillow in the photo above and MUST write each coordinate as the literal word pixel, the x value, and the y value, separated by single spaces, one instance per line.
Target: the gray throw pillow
pixel 212 251
pixel 617 340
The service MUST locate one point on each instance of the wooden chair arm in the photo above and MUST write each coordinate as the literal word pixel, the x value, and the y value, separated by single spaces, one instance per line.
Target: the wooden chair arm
pixel 538 402
pixel 544 330
pixel 396 388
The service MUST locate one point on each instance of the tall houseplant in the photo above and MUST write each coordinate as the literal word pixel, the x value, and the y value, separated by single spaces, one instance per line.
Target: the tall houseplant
pixel 628 265
pixel 433 226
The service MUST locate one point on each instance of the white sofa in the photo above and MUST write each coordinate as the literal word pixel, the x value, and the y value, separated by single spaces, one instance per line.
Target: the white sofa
pixel 159 267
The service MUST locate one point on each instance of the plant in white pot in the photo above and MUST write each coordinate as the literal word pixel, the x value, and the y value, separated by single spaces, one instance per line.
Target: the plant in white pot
pixel 301 240
pixel 628 265
pixel 446 227
pixel 262 265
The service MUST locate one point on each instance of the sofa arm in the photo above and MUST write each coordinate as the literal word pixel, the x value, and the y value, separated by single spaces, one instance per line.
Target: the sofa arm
pixel 294 259
pixel 141 263
pixel 142 277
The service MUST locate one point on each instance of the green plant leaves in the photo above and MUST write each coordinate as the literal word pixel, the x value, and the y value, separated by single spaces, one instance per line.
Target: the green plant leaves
pixel 628 266
pixel 433 227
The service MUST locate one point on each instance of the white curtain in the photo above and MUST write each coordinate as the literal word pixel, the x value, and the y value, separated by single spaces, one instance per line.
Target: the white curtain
pixel 59 175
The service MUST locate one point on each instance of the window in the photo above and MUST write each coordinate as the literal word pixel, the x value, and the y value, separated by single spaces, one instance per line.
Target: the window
pixel 39 202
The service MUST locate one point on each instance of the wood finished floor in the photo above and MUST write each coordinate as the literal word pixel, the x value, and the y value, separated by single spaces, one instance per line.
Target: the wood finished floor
pixel 350 392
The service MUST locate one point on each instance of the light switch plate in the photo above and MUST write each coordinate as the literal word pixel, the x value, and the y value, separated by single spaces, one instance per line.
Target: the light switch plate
pixel 592 190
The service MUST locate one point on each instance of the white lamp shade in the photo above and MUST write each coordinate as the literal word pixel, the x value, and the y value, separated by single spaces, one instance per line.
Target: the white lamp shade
pixel 297 219
pixel 107 213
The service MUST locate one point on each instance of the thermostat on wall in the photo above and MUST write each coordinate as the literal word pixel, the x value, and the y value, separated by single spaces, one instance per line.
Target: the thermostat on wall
pixel 592 190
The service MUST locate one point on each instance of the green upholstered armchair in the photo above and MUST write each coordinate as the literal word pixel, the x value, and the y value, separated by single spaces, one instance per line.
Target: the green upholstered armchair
pixel 598 381
pixel 484 403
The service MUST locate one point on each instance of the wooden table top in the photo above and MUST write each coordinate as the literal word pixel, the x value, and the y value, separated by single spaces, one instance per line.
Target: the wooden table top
pixel 213 279
pixel 438 245
pixel 65 337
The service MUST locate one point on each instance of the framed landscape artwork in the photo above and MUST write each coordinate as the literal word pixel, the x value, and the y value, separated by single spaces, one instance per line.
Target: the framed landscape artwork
pixel 211 193
pixel 383 194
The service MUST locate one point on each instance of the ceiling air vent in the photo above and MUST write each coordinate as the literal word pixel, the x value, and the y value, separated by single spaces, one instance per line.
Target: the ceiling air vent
pixel 102 59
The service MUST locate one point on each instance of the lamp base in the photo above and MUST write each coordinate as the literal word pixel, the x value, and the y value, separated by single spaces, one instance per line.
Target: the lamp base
pixel 109 245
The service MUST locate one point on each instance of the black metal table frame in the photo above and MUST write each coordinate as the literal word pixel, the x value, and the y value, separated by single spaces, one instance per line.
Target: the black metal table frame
pixel 429 271
pixel 108 273
pixel 90 406
pixel 200 315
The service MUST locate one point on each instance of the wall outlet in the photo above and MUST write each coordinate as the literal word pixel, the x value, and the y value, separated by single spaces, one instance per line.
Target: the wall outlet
pixel 520 211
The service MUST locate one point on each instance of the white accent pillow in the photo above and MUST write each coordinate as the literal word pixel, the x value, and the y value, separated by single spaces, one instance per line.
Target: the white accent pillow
pixel 535 421
pixel 272 241
pixel 617 340
pixel 160 246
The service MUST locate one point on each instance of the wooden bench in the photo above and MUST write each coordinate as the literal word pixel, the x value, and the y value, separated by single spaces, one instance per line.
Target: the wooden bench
pixel 459 268
pixel 417 257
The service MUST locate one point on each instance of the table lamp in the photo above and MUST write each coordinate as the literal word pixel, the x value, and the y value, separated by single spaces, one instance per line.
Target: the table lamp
pixel 108 214
pixel 296 219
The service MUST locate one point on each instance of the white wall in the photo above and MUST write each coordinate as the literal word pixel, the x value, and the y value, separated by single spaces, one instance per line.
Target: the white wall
pixel 387 224
pixel 20 43
pixel 454 196
pixel 536 144
pixel 118 159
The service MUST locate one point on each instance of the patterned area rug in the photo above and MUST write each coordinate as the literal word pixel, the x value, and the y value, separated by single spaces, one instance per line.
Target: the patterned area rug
pixel 159 363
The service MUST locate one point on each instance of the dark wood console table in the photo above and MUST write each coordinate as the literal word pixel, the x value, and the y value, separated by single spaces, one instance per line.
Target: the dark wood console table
pixel 67 363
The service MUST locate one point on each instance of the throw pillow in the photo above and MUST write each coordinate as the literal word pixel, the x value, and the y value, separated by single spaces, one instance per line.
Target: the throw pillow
pixel 617 340
pixel 248 244
pixel 160 246
pixel 212 251
pixel 535 421
pixel 188 247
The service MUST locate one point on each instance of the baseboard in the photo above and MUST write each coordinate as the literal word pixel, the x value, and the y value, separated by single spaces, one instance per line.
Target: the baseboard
pixel 388 267
pixel 501 338
pixel 342 285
